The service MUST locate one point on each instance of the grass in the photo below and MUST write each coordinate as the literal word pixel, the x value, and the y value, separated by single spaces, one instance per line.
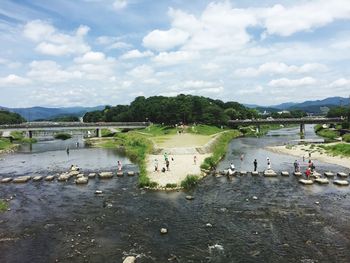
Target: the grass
pixel 204 129
pixel 346 137
pixel 158 130
pixel 340 149
pixel 171 185
pixel 63 136
pixel 3 206
pixel 329 134
pixel 5 144
pixel 18 136
pixel 190 181
pixel 107 133
pixel 219 149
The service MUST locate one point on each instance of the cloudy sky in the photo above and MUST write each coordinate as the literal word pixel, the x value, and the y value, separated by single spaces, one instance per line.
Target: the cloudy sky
pixel 97 52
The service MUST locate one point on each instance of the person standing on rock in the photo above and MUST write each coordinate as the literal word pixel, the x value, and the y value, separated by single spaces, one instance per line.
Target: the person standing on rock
pixel 119 166
pixel 167 164
pixel 268 163
pixel 195 160
pixel 67 150
pixel 165 157
pixel 255 165
pixel 156 165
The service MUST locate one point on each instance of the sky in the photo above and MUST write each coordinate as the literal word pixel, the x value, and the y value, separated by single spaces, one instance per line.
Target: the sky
pixel 62 53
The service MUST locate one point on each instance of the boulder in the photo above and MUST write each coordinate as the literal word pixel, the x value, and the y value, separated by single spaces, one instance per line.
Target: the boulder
pixel 255 173
pixel 63 177
pixel 82 180
pixel 341 182
pixel 297 173
pixel 163 230
pixel 208 225
pixel 49 178
pixel 285 173
pixel 315 175
pixel 120 173
pixel 80 175
pixel 329 174
pixel 306 182
pixel 22 179
pixel 189 197
pixel 106 175
pixel 270 173
pixel 37 178
pixel 129 259
pixel 343 175
pixel 131 173
pixel 255 198
pixel 98 192
pixel 6 180
pixel 322 181
pixel 92 175
pixel 243 172
pixel 73 173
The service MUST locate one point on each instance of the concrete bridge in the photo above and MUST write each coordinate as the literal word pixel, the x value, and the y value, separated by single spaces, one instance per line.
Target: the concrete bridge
pixel 29 127
pixel 301 121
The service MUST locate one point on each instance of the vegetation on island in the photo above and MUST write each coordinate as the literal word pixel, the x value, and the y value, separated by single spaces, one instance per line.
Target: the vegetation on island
pixel 3 206
pixel 5 144
pixel 7 117
pixel 62 136
pixel 18 137
pixel 339 149
pixel 190 181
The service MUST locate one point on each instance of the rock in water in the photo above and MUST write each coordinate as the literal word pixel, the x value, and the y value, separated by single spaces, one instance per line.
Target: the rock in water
pixel 243 172
pixel 322 181
pixel 341 182
pixel 82 180
pixel 91 175
pixel 63 177
pixel 6 180
pixel 22 179
pixel 329 174
pixel 255 173
pixel 270 173
pixel 297 173
pixel 163 231
pixel 306 182
pixel 120 174
pixel 255 198
pixel 129 259
pixel 208 225
pixel 49 178
pixel 343 175
pixel 131 173
pixel 37 178
pixel 189 197
pixel 98 192
pixel 106 175
pixel 284 173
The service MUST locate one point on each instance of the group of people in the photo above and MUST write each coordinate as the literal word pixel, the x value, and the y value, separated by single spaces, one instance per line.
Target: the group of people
pixel 167 163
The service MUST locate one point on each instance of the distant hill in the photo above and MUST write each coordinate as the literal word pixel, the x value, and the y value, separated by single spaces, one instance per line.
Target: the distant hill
pixel 284 106
pixel 43 113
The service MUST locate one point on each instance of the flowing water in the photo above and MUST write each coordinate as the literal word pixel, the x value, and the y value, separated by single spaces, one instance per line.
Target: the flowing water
pixel 53 221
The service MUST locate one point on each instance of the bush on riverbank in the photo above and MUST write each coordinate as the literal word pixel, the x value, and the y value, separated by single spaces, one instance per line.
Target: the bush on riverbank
pixel 190 181
pixel 63 136
pixel 219 149
pixel 329 134
pixel 341 149
pixel 19 137
pixel 4 144
pixel 346 137
pixel 3 206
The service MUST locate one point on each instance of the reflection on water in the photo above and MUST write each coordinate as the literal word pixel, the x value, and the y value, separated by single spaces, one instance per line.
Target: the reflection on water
pixel 64 222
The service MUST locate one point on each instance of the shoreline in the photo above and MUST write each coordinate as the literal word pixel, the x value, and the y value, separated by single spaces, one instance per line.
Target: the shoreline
pixel 317 153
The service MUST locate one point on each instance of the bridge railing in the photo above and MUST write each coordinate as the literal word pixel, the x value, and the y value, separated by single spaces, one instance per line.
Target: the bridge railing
pixel 286 121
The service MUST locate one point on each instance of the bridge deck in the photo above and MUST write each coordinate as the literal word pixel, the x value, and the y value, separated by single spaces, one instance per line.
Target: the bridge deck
pixel 286 121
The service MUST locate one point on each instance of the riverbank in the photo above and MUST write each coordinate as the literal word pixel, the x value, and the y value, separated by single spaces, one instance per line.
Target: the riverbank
pixel 318 152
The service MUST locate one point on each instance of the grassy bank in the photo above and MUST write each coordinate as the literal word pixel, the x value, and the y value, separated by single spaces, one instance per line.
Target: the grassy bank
pixel 219 149
pixel 264 129
pixel 20 138
pixel 340 149
pixel 326 132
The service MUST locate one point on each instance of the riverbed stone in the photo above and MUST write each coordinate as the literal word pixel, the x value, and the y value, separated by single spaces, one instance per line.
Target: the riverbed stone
pixel 22 179
pixel 106 175
pixel 74 173
pixel 92 175
pixel 189 197
pixel 243 172
pixel 341 182
pixel 315 175
pixel 82 180
pixel 297 173
pixel 329 174
pixel 49 178
pixel 255 197
pixel 163 230
pixel 255 173
pixel 120 173
pixel 63 177
pixel 98 192
pixel 37 178
pixel 270 173
pixel 129 259
pixel 342 175
pixel 322 181
pixel 131 173
pixel 306 182
pixel 6 180
pixel 285 173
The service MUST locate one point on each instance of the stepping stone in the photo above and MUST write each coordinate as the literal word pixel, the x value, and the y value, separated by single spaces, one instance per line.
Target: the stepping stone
pixel 297 173
pixel 63 177
pixel 189 197
pixel 322 181
pixel 74 173
pixel 316 175
pixel 131 173
pixel 343 175
pixel 37 178
pixel 329 174
pixel 120 174
pixel 92 175
pixel 243 172
pixel 6 180
pixel 49 178
pixel 106 175
pixel 341 182
pixel 82 180
pixel 306 182
pixel 270 173
pixel 255 173
pixel 80 175
pixel 22 179
pixel 285 173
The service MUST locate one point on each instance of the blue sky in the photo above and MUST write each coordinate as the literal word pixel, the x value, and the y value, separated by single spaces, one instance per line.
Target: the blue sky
pixel 97 52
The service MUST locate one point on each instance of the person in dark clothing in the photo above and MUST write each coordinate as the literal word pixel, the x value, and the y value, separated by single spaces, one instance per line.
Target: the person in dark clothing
pixel 167 164
pixel 255 165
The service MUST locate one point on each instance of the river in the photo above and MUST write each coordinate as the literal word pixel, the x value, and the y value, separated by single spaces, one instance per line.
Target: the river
pixel 62 222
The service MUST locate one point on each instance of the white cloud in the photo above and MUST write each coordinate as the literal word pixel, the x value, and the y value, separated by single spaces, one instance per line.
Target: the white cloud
pixel 165 40
pixel 119 45
pixel 141 72
pixel 120 4
pixel 52 42
pixel 340 83
pixel 257 90
pixel 271 68
pixel 13 80
pixel 135 53
pixel 177 57
pixel 285 82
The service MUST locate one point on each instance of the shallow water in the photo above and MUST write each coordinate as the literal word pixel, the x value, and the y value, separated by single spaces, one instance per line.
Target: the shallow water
pixel 52 221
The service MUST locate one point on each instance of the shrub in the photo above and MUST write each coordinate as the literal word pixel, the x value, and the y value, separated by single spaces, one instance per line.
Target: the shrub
pixel 190 181
pixel 3 205
pixel 318 127
pixel 171 185
pixel 345 125
pixel 346 137
pixel 63 136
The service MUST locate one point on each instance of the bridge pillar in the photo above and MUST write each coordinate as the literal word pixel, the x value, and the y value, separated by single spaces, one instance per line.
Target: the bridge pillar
pixel 99 132
pixel 29 134
pixel 302 128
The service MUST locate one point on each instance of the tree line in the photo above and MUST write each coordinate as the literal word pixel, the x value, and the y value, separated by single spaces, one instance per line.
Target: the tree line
pixel 7 117
pixel 171 110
